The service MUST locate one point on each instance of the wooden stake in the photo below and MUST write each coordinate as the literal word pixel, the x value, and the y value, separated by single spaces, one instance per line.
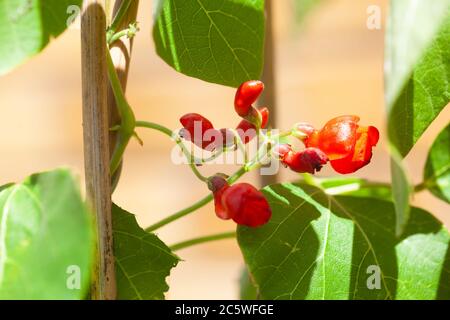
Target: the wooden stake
pixel 96 143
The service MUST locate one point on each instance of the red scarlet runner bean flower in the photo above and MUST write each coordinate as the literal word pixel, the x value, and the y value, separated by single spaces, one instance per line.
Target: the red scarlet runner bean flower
pixel 242 202
pixel 347 145
pixel 246 205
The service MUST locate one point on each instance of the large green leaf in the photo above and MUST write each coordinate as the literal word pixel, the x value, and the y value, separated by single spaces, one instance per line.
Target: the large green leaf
pixel 417 67
pixel 417 82
pixel 26 27
pixel 216 41
pixel 46 239
pixel 318 246
pixel 142 260
pixel 437 169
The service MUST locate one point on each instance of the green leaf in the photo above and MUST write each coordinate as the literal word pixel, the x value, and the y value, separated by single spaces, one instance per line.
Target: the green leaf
pixel 26 27
pixel 417 68
pixel 142 260
pixel 437 168
pixel 216 41
pixel 248 290
pixel 6 186
pixel 351 186
pixel 46 239
pixel 318 246
pixel 417 82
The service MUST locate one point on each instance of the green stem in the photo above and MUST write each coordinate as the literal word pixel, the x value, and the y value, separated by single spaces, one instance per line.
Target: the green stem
pixel 119 150
pixel 128 120
pixel 155 126
pixel 168 132
pixel 432 180
pixel 180 214
pixel 118 18
pixel 116 36
pixel 125 111
pixel 240 144
pixel 422 186
pixel 199 204
pixel 129 32
pixel 200 240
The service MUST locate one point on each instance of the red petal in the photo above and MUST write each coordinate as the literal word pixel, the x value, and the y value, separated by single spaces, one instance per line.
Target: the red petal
pixel 374 135
pixel 246 95
pixel 337 138
pixel 191 121
pixel 367 137
pixel 264 116
pixel 220 210
pixel 309 160
pixel 246 205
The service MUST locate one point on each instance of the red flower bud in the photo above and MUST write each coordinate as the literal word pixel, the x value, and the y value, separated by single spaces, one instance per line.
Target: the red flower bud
pixel 366 138
pixel 246 95
pixel 310 160
pixel 246 205
pixel 195 128
pixel 247 131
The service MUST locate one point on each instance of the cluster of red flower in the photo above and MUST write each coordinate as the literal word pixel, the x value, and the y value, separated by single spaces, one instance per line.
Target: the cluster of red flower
pixel 342 142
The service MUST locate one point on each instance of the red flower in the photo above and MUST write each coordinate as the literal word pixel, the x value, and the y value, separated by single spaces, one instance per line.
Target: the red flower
pixel 201 132
pixel 242 202
pixel 246 205
pixel 246 95
pixel 195 127
pixel 247 130
pixel 310 160
pixel 347 145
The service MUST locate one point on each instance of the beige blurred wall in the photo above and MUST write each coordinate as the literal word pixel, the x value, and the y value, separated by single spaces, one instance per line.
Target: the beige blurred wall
pixel 332 65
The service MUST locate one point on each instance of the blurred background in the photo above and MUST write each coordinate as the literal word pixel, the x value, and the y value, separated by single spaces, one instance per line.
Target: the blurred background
pixel 328 64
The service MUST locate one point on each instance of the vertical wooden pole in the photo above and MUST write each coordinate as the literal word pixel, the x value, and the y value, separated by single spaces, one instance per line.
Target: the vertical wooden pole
pixel 96 143
pixel 268 98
